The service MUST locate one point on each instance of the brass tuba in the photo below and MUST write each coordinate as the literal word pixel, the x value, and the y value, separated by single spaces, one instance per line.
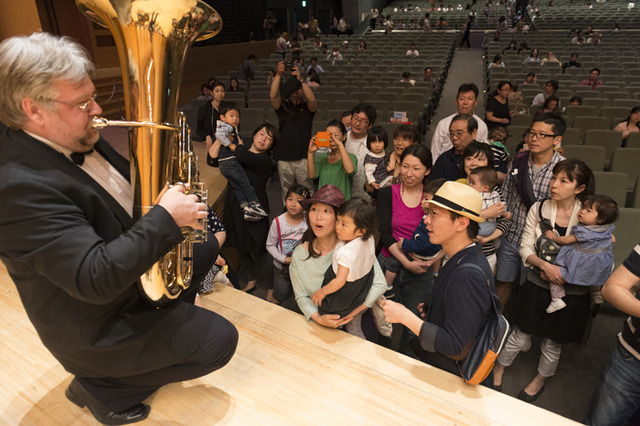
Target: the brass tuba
pixel 152 38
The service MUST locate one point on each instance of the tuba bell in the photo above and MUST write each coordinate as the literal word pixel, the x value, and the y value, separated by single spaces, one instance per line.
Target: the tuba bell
pixel 152 38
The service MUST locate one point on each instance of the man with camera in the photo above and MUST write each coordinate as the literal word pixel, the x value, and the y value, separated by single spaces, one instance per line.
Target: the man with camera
pixel 295 117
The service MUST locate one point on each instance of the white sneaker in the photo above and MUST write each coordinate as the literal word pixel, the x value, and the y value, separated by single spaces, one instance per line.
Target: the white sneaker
pixel 555 305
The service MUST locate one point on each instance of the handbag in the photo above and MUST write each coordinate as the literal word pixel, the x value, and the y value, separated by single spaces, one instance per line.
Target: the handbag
pixel 485 348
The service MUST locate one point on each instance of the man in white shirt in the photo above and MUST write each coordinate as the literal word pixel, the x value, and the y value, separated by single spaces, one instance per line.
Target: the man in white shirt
pixel 413 51
pixel 466 101
pixel 362 118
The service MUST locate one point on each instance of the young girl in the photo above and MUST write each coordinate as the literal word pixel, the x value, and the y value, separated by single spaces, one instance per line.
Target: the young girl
pixel 586 257
pixel 419 244
pixel 377 160
pixel 284 235
pixel 336 167
pixel 348 280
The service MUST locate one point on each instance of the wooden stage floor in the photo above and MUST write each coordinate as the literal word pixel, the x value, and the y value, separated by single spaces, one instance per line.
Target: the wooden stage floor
pixel 285 371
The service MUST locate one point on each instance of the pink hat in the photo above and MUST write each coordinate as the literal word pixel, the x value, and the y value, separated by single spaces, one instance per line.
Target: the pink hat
pixel 328 194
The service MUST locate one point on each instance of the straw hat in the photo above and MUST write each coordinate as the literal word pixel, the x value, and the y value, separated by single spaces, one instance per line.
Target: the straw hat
pixel 459 198
pixel 328 194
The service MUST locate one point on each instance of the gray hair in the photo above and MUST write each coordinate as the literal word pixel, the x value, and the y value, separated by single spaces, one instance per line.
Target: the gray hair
pixel 29 65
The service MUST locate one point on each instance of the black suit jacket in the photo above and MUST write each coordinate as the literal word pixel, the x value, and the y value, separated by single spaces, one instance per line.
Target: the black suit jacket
pixel 76 256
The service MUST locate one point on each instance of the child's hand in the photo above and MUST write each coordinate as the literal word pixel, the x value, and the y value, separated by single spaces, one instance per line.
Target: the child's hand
pixel 549 234
pixel 480 240
pixel 375 185
pixel 220 261
pixel 287 260
pixel 312 145
pixel 317 297
pixel 507 215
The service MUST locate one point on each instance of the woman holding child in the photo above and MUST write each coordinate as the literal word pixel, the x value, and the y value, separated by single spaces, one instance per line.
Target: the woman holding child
pixel 250 237
pixel 313 257
pixel 399 211
pixel 572 181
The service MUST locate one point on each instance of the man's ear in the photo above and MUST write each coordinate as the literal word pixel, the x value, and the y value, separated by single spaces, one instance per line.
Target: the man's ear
pixel 33 110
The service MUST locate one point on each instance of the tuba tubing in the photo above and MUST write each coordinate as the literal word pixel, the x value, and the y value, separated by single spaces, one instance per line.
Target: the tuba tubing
pixel 152 38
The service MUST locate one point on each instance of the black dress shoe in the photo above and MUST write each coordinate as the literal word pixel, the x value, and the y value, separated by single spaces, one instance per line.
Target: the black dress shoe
pixel 79 396
pixel 530 398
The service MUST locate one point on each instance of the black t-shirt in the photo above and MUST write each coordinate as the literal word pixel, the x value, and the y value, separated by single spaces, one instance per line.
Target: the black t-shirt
pixel 632 263
pixel 295 131
pixel 500 110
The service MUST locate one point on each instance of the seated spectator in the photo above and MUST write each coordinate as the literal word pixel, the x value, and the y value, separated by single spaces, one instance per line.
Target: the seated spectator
pixel 442 24
pixel 429 78
pixel 345 46
pixel 630 124
pixel 314 65
pixel 524 47
pixel 533 57
pixel 593 79
pixel 313 80
pixel 363 46
pixel 512 46
pixel 406 78
pixel 234 85
pixel 247 71
pixel 594 39
pixel 345 119
pixel 413 52
pixel 335 55
pixel 317 43
pixel 551 105
pixel 205 92
pixel 497 62
pixel 550 88
pixel 530 78
pixel 551 57
pixel 572 63
pixel 574 101
pixel 579 38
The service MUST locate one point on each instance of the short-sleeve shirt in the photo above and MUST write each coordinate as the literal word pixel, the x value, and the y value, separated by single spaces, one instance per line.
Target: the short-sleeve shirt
pixel 357 255
pixel 335 174
pixel 499 110
pixel 295 131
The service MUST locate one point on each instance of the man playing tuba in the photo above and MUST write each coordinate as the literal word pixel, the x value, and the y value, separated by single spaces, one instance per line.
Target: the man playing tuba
pixel 73 250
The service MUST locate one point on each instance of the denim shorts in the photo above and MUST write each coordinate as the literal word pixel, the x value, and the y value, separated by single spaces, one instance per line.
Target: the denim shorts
pixel 510 263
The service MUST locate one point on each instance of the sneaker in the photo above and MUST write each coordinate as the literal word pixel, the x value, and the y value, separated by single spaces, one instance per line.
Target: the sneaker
pixel 250 217
pixel 256 209
pixel 555 305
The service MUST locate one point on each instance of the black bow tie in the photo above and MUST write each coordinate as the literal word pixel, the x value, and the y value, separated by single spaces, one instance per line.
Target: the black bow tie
pixel 78 157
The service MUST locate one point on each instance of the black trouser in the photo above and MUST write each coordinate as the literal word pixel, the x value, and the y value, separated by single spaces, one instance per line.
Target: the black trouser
pixel 217 340
pixel 466 38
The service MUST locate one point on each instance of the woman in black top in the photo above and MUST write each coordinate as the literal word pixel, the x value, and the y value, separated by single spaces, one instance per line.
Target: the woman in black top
pixel 498 113
pixel 208 114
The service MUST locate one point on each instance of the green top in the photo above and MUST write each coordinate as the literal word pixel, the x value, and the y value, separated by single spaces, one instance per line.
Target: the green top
pixel 335 173
pixel 307 274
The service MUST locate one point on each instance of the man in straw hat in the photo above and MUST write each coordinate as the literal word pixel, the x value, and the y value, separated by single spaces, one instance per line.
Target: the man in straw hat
pixel 460 301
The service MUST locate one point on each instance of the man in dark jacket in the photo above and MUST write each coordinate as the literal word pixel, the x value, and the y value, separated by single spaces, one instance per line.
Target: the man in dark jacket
pixel 70 244
pixel 460 299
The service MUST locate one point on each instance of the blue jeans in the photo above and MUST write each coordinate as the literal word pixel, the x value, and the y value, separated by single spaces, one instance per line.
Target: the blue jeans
pixel 617 396
pixel 237 178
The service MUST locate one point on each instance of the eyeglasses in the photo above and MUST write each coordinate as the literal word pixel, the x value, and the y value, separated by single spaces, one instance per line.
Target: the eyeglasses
pixel 82 106
pixel 457 134
pixel 359 120
pixel 539 135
